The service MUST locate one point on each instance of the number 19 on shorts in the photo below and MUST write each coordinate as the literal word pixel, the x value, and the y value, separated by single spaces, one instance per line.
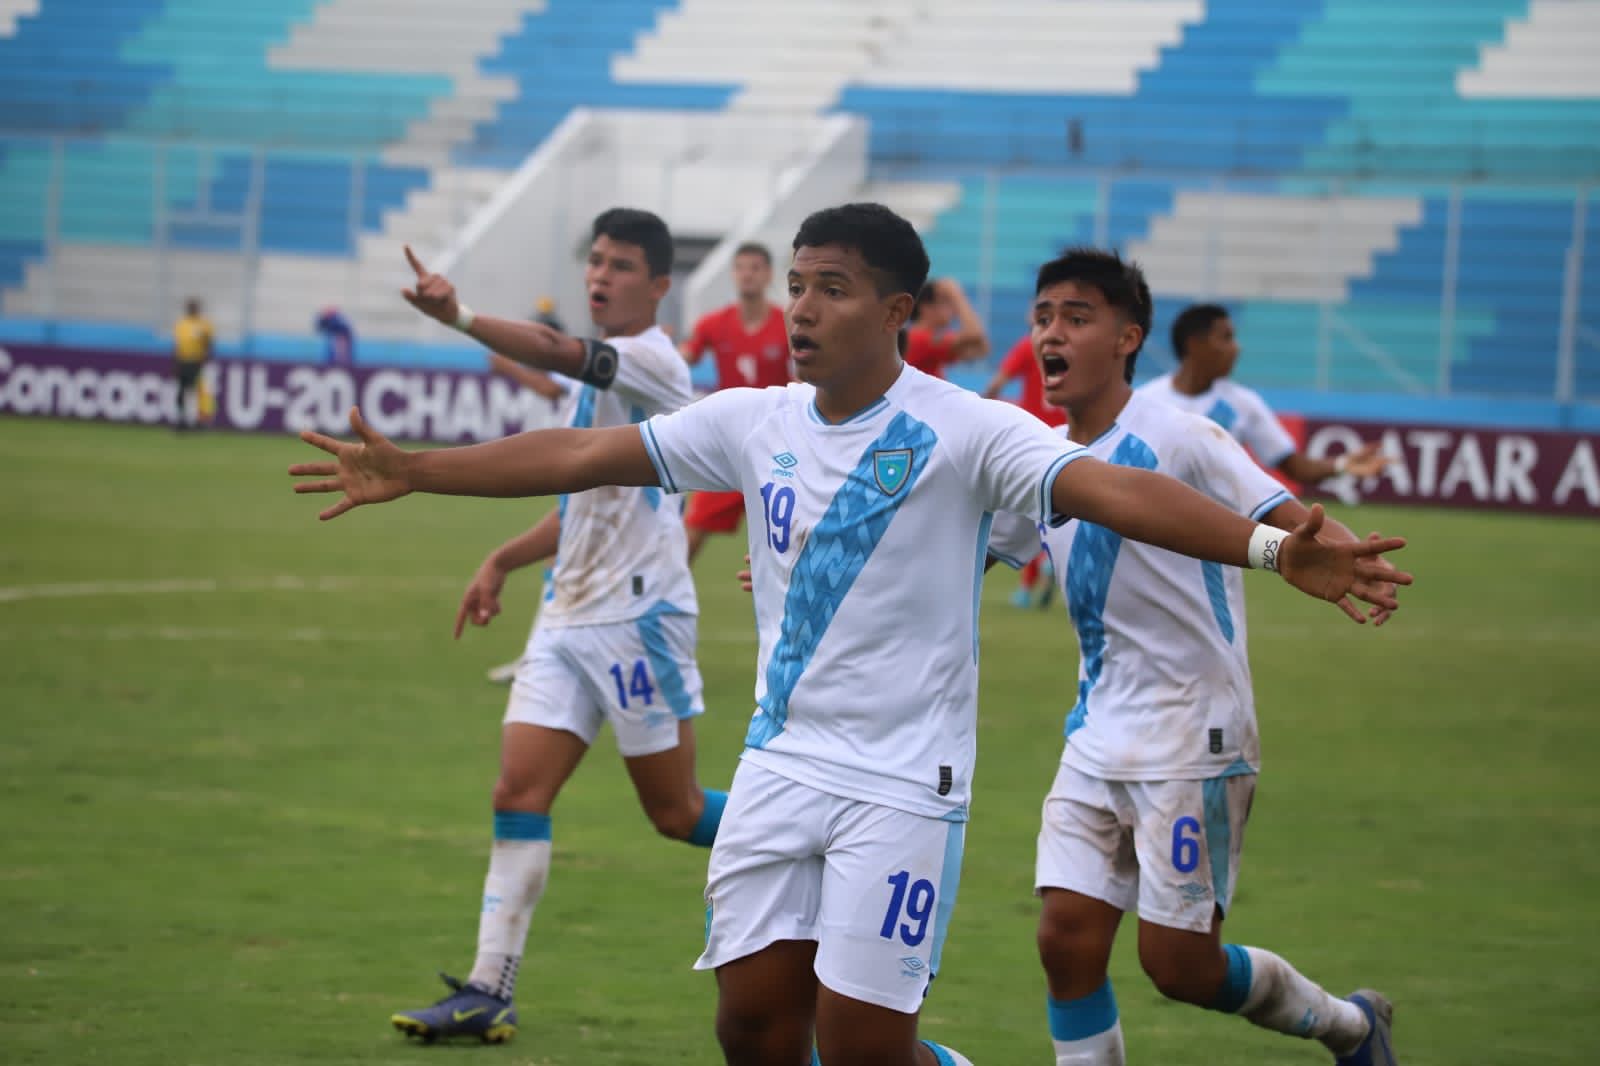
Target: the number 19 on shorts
pixel 911 901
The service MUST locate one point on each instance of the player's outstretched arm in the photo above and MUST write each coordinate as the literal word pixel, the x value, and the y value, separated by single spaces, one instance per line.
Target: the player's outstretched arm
pixel 1160 510
pixel 529 343
pixel 542 462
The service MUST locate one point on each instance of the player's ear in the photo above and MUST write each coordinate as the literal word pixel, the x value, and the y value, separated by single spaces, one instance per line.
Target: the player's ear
pixel 659 286
pixel 898 308
pixel 1128 343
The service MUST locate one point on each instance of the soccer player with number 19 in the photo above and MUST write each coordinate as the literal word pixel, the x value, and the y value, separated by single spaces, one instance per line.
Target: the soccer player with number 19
pixel 1149 804
pixel 870 488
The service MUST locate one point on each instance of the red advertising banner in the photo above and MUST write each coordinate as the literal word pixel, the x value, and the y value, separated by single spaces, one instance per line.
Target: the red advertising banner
pixel 1464 466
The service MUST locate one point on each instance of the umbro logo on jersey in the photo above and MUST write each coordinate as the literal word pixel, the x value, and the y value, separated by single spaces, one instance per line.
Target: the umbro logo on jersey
pixel 785 460
pixel 891 467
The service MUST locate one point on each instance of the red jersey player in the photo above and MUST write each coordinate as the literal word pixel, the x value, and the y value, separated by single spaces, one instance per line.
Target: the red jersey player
pixel 1019 362
pixel 751 344
pixel 944 329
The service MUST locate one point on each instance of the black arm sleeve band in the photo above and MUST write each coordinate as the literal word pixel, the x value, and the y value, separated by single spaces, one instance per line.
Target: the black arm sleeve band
pixel 599 364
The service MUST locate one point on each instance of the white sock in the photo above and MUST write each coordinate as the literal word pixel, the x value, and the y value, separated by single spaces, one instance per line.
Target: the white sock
pixel 518 869
pixel 1087 1031
pixel 1283 1000
pixel 1101 1049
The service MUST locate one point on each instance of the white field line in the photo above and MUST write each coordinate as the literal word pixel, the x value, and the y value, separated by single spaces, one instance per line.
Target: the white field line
pixel 224 634
pixel 183 585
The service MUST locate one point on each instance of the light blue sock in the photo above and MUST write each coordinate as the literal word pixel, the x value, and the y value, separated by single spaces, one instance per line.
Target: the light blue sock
pixel 1087 1030
pixel 946 1056
pixel 705 830
pixel 521 825
pixel 1236 984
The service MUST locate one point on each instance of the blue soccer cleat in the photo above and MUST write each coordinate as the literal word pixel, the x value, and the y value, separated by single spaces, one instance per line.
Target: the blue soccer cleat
pixel 468 1011
pixel 1378 1048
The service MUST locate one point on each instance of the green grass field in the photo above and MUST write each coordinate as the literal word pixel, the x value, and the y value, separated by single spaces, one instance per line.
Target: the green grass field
pixel 246 776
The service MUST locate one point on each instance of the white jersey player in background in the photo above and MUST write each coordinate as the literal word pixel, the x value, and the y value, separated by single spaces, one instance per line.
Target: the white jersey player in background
pixel 1207 350
pixel 615 637
pixel 869 491
pixel 1149 805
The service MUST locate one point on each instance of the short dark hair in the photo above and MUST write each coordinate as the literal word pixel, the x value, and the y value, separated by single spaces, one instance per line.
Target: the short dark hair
pixel 1193 322
pixel 753 248
pixel 1120 282
pixel 890 245
pixel 925 299
pixel 633 226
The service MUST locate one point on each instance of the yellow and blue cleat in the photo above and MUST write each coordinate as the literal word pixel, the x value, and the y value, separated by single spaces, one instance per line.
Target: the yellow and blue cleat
pixel 468 1011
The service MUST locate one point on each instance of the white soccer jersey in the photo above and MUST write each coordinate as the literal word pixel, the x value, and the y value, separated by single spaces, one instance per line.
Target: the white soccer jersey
pixel 1163 675
pixel 1238 409
pixel 867 543
pixel 622 551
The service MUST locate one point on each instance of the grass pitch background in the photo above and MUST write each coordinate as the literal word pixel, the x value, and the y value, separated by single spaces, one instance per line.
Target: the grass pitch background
pixel 245 779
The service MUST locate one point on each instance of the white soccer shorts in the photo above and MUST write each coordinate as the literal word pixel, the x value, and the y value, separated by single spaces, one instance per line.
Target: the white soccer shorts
pixel 1169 849
pixel 639 675
pixel 872 885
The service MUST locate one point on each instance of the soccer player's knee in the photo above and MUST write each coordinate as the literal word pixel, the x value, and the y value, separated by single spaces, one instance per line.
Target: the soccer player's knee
pixel 512 793
pixel 1066 944
pixel 752 1036
pixel 675 821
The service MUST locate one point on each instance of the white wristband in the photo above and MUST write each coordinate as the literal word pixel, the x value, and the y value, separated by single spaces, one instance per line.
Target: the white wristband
pixel 1341 464
pixel 1265 543
pixel 464 317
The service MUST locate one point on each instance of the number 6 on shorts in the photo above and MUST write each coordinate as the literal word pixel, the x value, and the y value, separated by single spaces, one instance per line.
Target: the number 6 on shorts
pixel 1185 849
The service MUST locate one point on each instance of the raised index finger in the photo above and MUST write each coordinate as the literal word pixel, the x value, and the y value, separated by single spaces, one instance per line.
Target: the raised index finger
pixel 416 264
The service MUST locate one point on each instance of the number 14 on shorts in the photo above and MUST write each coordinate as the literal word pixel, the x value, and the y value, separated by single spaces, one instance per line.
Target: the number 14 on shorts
pixel 634 682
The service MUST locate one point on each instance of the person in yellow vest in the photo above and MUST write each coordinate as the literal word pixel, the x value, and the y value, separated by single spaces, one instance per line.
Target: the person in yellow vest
pixel 191 350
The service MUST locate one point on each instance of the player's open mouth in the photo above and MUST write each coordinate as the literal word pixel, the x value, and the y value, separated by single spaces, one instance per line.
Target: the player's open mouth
pixel 1054 368
pixel 598 299
pixel 800 344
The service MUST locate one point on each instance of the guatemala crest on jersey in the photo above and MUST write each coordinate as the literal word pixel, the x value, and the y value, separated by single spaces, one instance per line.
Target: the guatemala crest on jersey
pixel 891 467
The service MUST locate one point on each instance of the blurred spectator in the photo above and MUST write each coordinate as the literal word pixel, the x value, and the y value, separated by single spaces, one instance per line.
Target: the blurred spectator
pixel 339 335
pixel 944 328
pixel 544 313
pixel 192 343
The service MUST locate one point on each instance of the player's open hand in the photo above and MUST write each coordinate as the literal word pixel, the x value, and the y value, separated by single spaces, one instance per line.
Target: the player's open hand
pixel 1367 460
pixel 434 296
pixel 1337 570
pixel 371 470
pixel 481 601
pixel 746 581
pixel 1381 587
